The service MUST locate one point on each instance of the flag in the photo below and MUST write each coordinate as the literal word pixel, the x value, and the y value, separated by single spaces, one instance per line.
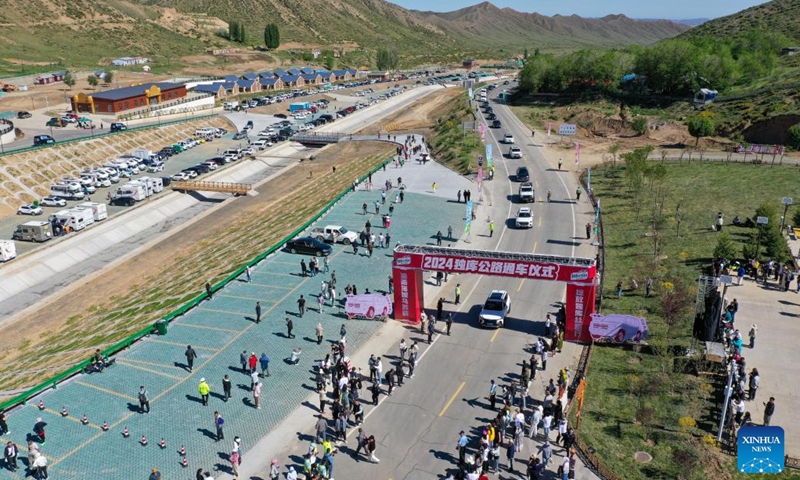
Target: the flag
pixel 468 224
pixel 489 155
pixel 577 153
pixel 549 127
pixel 480 177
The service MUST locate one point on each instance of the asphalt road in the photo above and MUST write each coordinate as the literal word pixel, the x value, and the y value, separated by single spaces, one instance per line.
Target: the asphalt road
pixel 417 427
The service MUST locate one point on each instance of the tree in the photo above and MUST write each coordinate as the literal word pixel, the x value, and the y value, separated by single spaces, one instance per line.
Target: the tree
pixel 108 77
pixel 635 173
pixel 386 59
pixel 725 247
pixel 329 60
pixel 794 135
pixel 272 36
pixel 69 80
pixel 233 31
pixel 525 54
pixel 701 126
pixel 639 125
pixel 242 38
pixel 93 81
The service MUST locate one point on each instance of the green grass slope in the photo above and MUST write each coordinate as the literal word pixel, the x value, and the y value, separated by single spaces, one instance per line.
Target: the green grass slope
pixel 779 16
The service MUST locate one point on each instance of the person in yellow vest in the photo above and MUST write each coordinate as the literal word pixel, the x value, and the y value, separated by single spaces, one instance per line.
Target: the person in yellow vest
pixel 203 389
pixel 491 228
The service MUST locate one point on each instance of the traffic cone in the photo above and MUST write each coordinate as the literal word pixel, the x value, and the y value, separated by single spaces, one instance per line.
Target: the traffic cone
pixel 144 440
pixel 182 451
pixel 163 444
pixel 41 404
pixel 126 433
pixel 64 411
pixel 184 462
pixel 105 426
pixel 85 420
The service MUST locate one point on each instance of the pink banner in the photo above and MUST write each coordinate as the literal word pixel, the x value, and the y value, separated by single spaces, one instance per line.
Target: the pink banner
pixel 480 177
pixel 549 128
pixel 580 307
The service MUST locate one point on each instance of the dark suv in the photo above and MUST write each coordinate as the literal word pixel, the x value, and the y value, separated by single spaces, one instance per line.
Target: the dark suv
pixel 43 140
pixel 523 175
pixel 118 127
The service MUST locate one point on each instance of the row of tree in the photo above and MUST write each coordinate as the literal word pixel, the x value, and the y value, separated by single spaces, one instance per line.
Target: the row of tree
pixel 387 59
pixel 236 32
pixel 671 67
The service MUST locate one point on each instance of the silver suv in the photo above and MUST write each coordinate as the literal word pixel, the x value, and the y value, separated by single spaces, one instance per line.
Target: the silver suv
pixel 495 310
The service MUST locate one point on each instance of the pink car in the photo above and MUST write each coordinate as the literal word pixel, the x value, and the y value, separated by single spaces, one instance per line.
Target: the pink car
pixel 617 328
pixel 368 306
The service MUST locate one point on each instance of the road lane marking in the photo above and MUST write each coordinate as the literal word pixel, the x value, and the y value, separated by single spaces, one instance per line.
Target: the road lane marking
pixel 453 398
pixel 494 335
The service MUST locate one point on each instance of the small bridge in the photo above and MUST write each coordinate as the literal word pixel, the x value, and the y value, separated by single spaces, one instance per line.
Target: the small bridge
pixel 224 187
pixel 317 139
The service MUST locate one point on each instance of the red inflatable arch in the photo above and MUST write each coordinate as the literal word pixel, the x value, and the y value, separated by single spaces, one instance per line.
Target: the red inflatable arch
pixel 410 261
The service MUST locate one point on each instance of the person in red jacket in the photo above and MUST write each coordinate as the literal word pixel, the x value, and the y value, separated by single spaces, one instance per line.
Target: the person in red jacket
pixel 253 362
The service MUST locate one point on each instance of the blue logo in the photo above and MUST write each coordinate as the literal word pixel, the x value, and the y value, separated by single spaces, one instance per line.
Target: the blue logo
pixel 761 450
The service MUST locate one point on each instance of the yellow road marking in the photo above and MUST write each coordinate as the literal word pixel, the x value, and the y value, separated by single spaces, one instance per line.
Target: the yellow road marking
pixel 540 220
pixel 520 284
pixel 165 342
pixel 153 364
pixel 204 327
pixel 452 399
pixel 122 362
pixel 534 251
pixel 105 390
pixel 226 312
pixel 68 417
pixel 494 335
pixel 246 298
pixel 268 286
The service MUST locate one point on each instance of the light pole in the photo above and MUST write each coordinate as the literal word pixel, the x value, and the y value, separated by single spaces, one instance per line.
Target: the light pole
pixel 786 202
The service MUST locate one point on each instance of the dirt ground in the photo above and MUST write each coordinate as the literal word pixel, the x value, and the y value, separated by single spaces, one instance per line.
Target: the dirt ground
pixel 57 315
pixel 418 118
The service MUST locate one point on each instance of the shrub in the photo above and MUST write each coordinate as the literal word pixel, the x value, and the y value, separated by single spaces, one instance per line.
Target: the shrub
pixel 639 125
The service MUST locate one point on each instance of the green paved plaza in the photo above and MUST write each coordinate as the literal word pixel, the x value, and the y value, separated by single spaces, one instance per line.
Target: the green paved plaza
pixel 219 330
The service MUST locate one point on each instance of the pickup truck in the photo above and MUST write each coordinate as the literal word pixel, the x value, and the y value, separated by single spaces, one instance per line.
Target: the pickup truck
pixel 334 234
pixel 526 194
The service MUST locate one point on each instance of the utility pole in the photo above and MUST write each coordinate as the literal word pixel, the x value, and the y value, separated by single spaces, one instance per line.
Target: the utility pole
pixel 760 221
pixel 786 202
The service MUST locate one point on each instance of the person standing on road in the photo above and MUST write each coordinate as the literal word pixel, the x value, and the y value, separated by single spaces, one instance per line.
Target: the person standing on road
pixel 492 394
pixel 588 231
pixel 559 164
pixel 547 451
pixel 769 410
pixel 248 273
pixel 301 305
pixel 226 387
pixel 364 208
pixel 252 363
pixel 458 294
pixel 511 452
pixel 203 389
pixel 431 331
pixel 243 359
pixel 321 428
pixel 190 356
pixel 264 361
pixel 289 328
pixel 320 333
pixel 461 446
pixel 450 232
pixel 219 423
pixel 303 268
pixel 403 349
pixel 754 382
pixel 752 333
pixel 439 307
pixel 258 312
pixel 257 395
pixel 578 194
pixel 439 238
pixel 361 438
pixel 458 196
pixel 449 322
pixel 4 425
pixel 491 228
pixel 144 400
pixel 10 454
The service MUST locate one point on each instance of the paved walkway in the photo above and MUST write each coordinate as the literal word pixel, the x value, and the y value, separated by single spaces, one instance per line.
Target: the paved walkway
pixel 219 330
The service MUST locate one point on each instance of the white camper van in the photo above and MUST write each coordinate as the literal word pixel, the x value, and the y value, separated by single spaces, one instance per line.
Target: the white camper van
pixel 154 185
pixel 67 191
pixel 99 210
pixel 132 190
pixel 35 231
pixel 75 218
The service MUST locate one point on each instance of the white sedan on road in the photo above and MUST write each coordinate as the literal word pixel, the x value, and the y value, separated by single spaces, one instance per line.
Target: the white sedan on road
pixel 524 218
pixel 509 138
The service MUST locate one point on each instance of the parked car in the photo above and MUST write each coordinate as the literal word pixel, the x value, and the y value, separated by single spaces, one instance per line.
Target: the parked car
pixel 309 246
pixel 522 174
pixel 191 174
pixel 200 168
pixel 118 127
pixel 240 135
pixel 53 202
pixel 24 114
pixel 122 201
pixel 524 218
pixel 212 165
pixel 54 122
pixel 280 115
pixel 494 311
pixel 180 176
pixel 29 210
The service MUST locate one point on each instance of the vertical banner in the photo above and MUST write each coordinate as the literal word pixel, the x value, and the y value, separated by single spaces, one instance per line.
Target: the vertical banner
pixel 470 93
pixel 483 132
pixel 589 179
pixel 468 224
pixel 480 178
pixel 577 153
pixel 580 306
pixel 489 155
pixel 549 128
pixel 407 294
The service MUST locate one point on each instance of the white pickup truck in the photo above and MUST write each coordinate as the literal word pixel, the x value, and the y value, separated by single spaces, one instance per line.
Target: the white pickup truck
pixel 334 234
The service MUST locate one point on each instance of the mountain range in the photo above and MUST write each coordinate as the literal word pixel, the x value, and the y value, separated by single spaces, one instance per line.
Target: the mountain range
pixel 89 32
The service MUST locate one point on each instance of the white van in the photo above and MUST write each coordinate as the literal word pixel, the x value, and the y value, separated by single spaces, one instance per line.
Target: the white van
pixel 204 132
pixel 8 250
pixel 67 191
pixel 142 153
pixel 146 186
pixel 236 152
pixel 260 144
pixel 75 218
pixel 154 185
pixel 132 190
pixel 99 210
